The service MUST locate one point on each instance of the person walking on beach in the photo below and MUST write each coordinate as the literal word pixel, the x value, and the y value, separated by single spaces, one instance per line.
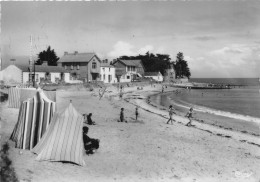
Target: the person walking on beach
pixel 171 111
pixel 136 113
pixel 189 115
pixel 122 117
pixel 162 89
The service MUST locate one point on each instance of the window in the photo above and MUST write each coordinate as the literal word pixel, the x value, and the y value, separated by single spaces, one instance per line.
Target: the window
pixel 78 67
pixel 71 67
pixel 94 65
pixel 104 77
pixel 109 69
pixel 103 69
pixel 128 77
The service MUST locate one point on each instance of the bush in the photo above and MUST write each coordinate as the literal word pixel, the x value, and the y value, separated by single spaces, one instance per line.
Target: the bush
pixel 7 172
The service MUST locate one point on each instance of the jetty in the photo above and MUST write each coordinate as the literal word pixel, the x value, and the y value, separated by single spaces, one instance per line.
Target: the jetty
pixel 189 85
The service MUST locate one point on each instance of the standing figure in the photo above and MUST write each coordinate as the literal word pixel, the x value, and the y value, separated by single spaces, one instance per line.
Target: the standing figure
pixel 162 89
pixel 171 111
pixel 189 115
pixel 136 113
pixel 122 117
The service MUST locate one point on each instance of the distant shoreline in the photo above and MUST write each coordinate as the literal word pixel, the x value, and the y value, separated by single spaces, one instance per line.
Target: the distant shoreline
pixel 239 125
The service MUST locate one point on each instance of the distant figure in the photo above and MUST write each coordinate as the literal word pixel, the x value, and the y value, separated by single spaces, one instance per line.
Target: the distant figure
pixel 189 115
pixel 89 120
pixel 171 111
pixel 136 113
pixel 90 144
pixel 162 89
pixel 122 117
pixel 148 100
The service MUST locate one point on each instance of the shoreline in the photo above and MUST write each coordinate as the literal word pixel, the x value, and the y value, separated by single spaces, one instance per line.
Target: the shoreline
pixel 218 125
pixel 249 127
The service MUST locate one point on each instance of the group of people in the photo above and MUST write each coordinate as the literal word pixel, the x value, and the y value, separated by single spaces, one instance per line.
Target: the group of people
pixel 122 116
pixel 188 115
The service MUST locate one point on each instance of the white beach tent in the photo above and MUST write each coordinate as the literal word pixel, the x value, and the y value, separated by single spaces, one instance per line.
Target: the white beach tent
pixel 63 140
pixel 34 117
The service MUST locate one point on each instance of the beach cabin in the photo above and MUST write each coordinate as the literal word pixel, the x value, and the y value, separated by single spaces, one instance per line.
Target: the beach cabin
pixel 157 76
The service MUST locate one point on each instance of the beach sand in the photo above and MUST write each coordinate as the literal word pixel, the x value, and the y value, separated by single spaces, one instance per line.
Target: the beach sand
pixel 144 150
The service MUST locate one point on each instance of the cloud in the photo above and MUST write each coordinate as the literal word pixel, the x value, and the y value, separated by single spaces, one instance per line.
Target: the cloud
pixel 121 48
pixel 145 49
pixel 204 38
pixel 235 60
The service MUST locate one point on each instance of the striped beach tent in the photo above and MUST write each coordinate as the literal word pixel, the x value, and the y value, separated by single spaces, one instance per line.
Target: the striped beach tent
pixel 14 97
pixel 28 93
pixel 63 141
pixel 34 118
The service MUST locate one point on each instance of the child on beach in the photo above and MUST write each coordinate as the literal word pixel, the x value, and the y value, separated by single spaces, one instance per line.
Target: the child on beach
pixel 171 111
pixel 136 112
pixel 122 117
pixel 90 144
pixel 189 115
pixel 89 119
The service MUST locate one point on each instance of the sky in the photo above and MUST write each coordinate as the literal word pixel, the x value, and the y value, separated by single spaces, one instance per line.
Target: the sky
pixel 219 39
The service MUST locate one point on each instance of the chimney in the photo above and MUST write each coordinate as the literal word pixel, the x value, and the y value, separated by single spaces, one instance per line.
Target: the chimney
pixel 76 52
pixel 65 53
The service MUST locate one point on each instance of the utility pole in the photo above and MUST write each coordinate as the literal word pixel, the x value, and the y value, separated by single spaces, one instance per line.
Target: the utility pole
pixel 30 63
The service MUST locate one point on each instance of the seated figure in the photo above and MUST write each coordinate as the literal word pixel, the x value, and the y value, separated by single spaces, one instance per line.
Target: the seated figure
pixel 90 144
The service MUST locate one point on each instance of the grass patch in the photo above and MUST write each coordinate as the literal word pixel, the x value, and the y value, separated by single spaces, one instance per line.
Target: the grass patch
pixel 7 172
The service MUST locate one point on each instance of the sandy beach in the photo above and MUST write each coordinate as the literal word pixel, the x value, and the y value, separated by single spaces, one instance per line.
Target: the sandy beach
pixel 144 150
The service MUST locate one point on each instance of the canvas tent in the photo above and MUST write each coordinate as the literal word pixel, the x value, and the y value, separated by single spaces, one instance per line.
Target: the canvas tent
pixel 63 141
pixel 28 93
pixel 16 96
pixel 34 118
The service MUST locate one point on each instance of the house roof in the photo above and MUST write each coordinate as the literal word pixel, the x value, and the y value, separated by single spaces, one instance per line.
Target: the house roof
pixel 151 73
pixel 41 68
pixel 106 65
pixel 137 62
pixel 78 57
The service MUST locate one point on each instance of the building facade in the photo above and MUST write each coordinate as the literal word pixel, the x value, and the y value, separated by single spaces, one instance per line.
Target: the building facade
pixel 18 74
pixel 81 66
pixel 107 72
pixel 169 74
pixel 128 70
pixel 157 76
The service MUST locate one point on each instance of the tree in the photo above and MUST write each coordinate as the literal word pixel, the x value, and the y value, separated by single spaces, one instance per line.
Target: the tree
pixel 152 62
pixel 181 66
pixel 49 56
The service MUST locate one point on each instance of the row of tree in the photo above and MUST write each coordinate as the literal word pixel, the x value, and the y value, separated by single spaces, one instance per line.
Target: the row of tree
pixel 161 62
pixel 152 62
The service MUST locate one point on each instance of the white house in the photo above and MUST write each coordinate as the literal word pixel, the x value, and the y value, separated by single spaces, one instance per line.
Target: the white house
pixel 18 74
pixel 107 73
pixel 154 75
pixel 128 70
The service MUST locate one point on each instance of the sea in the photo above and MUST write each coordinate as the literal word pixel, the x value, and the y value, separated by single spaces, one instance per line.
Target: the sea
pixel 240 102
